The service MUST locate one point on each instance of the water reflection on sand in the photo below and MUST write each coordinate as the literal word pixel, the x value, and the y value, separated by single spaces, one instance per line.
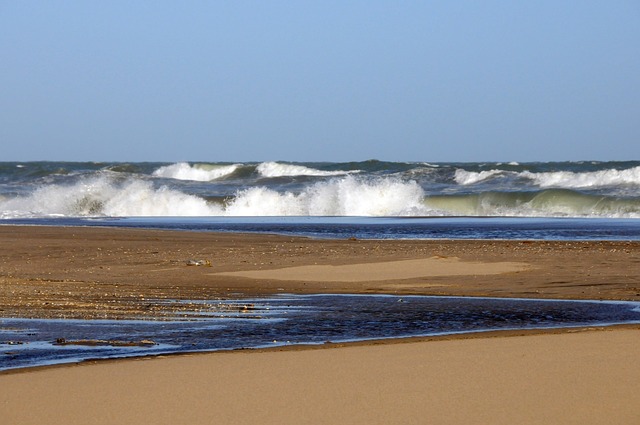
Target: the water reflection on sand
pixel 209 325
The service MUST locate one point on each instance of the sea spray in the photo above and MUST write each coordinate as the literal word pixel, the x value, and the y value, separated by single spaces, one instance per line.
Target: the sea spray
pixel 276 169
pixel 366 188
pixel 202 173
pixel 102 196
pixel 464 178
pixel 559 179
pixel 347 196
pixel 602 178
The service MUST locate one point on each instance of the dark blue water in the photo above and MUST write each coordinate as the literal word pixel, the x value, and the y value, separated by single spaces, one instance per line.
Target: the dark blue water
pixel 295 319
pixel 379 227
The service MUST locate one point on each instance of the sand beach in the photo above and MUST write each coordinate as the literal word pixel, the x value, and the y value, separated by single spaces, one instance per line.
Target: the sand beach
pixel 567 376
pixel 225 212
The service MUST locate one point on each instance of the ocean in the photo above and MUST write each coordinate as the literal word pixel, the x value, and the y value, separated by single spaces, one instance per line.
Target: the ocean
pixel 562 200
pixel 368 199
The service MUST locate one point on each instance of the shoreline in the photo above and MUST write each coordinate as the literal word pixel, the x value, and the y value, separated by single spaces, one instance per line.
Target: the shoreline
pixel 425 338
pixel 585 377
pixel 87 272
pixel 568 375
pixel 330 345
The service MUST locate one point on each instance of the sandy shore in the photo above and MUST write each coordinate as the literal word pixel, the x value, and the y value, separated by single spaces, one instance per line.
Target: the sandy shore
pixel 567 377
pixel 113 273
pixel 575 378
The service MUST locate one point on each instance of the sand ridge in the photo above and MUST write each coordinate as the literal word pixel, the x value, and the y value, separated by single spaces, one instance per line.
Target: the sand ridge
pixel 384 270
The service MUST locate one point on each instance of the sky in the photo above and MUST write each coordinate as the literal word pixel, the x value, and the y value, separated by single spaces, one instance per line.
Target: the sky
pixel 319 80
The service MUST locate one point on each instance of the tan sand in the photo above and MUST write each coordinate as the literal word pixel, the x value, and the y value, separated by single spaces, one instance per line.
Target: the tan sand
pixel 385 270
pixel 588 377
pixel 572 378
pixel 114 273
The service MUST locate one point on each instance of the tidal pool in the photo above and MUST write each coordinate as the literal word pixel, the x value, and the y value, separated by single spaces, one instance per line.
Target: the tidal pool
pixel 210 325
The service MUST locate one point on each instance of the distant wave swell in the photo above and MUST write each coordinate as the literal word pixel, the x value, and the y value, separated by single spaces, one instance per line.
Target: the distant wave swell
pixel 367 188
pixel 543 203
pixel 201 172
pixel 275 169
pixel 560 179
pixel 343 196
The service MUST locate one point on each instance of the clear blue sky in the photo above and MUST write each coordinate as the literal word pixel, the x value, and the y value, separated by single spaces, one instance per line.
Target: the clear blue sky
pixel 319 80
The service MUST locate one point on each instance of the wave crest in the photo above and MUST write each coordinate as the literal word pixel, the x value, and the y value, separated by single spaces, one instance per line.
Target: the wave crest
pixel 348 196
pixel 102 196
pixel 108 194
pixel 610 177
pixel 199 172
pixel 464 177
pixel 277 169
pixel 545 203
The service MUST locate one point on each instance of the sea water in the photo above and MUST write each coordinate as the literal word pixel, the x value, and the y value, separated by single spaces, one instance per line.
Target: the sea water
pixel 293 320
pixel 368 199
pixel 359 189
pixel 377 227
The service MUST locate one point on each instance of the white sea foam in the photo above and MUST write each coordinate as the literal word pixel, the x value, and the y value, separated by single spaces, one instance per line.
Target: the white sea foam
pixel 347 196
pixel 464 177
pixel 198 172
pixel 353 195
pixel 568 179
pixel 558 179
pixel 141 199
pixel 100 196
pixel 276 169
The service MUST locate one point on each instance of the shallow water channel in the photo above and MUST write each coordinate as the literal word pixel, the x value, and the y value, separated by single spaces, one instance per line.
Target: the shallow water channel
pixel 210 325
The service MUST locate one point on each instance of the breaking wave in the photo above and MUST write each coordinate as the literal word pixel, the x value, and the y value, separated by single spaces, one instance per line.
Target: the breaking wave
pixel 200 172
pixel 558 179
pixel 211 172
pixel 101 196
pixel 611 177
pixel 348 196
pixel 545 203
pixel 356 189
pixel 276 169
pixel 464 177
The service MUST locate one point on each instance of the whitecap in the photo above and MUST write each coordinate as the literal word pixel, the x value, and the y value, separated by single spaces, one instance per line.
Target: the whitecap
pixel 464 177
pixel 102 196
pixel 569 179
pixel 198 172
pixel 347 196
pixel 277 169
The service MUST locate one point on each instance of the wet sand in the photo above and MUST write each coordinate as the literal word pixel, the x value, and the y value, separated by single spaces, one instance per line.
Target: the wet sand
pixel 566 377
